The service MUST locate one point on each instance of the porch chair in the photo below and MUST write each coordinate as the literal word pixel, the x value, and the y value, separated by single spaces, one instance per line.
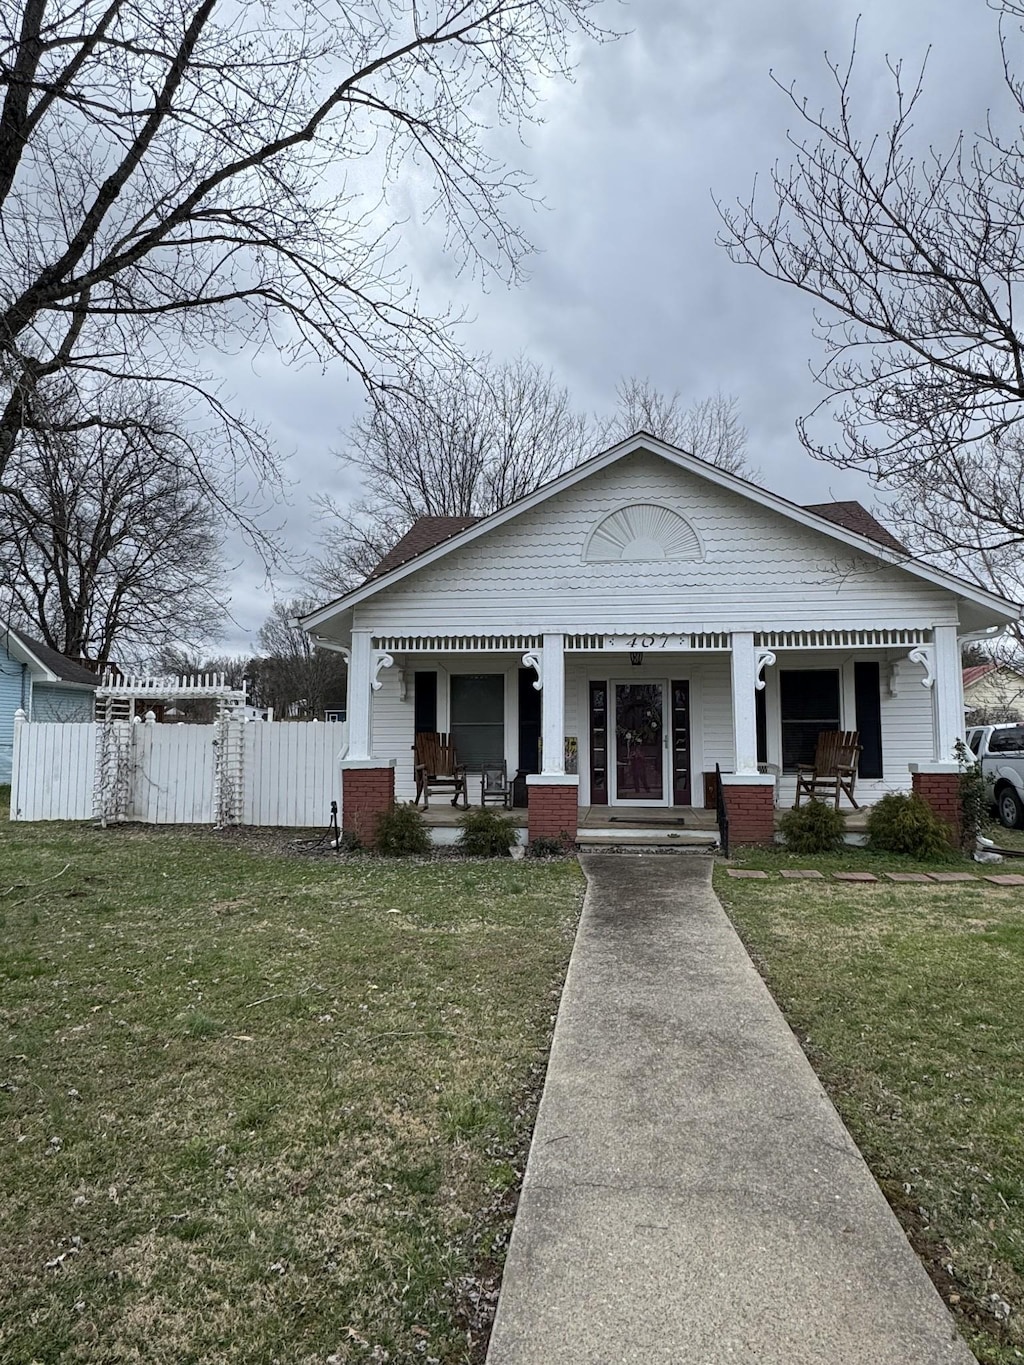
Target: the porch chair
pixel 437 768
pixel 834 769
pixel 494 785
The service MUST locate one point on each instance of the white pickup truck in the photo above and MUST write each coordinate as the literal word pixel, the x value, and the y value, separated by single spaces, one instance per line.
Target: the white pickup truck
pixel 1000 751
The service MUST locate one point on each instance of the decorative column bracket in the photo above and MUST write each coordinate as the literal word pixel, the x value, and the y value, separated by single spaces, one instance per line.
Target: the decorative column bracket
pixel 763 658
pixel 380 661
pixel 925 656
pixel 535 659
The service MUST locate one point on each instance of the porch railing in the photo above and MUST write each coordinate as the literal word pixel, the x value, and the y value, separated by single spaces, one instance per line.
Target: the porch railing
pixel 723 813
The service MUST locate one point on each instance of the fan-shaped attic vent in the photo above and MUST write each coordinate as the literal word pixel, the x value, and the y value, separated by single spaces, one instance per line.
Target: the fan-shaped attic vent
pixel 644 531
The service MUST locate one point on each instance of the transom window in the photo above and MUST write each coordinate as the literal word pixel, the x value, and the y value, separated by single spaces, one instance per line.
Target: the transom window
pixel 809 704
pixel 477 719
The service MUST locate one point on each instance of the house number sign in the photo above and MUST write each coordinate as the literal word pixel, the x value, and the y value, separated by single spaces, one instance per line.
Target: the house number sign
pixel 646 642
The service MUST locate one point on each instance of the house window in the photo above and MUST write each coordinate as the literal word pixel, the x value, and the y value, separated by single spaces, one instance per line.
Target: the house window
pixel 477 718
pixel 809 703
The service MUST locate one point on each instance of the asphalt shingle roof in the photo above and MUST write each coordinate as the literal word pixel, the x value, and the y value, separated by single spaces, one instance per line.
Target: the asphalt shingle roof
pixel 853 517
pixel 65 669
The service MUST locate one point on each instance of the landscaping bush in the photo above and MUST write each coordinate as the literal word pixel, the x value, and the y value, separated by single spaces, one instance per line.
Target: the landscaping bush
pixel 974 797
pixel 816 827
pixel 401 833
pixel 348 841
pixel 486 834
pixel 903 823
pixel 544 846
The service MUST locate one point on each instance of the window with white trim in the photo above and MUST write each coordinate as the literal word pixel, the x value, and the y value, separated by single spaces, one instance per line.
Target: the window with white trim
pixel 809 705
pixel 477 718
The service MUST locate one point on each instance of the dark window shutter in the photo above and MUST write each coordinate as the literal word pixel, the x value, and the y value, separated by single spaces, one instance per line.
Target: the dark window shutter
pixel 867 691
pixel 681 785
pixel 761 718
pixel 599 742
pixel 425 703
pixel 529 722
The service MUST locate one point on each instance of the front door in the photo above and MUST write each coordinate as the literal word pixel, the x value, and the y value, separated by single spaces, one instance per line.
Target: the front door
pixel 639 767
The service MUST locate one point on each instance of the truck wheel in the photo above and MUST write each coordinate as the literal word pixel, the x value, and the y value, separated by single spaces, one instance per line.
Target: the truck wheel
pixel 1010 808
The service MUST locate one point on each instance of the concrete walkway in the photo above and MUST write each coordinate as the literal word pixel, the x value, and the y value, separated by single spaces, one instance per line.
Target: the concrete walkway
pixel 691 1195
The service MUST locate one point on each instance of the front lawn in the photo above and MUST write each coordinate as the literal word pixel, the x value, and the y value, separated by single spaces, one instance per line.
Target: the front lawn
pixel 908 1000
pixel 263 1107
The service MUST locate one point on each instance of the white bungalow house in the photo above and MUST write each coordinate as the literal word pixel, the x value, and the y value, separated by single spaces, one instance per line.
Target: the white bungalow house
pixel 642 620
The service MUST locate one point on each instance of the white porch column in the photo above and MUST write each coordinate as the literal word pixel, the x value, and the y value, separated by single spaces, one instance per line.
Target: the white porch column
pixel 552 674
pixel 947 694
pixel 360 678
pixel 744 716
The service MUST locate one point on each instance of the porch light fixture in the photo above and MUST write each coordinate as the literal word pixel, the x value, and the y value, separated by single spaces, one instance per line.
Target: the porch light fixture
pixel 636 658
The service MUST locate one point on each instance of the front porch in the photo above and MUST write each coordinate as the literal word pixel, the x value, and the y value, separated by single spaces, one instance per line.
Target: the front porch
pixel 619 738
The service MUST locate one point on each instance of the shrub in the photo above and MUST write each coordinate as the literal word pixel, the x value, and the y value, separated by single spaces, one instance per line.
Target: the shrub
pixel 544 846
pixel 904 823
pixel 401 833
pixel 486 834
pixel 974 797
pixel 816 827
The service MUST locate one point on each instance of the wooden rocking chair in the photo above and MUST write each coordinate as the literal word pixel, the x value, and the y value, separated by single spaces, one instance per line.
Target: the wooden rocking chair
pixel 437 767
pixel 834 769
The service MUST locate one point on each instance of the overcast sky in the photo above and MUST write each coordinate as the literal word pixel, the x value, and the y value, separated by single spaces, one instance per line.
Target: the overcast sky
pixel 628 279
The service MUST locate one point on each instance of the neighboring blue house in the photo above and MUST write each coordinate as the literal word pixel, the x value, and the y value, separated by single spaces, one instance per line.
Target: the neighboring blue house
pixel 43 683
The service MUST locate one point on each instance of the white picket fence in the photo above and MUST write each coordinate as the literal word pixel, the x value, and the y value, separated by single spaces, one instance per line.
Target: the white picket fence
pixel 289 772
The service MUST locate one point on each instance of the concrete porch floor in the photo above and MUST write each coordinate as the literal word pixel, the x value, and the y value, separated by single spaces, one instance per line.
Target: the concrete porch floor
pixel 667 824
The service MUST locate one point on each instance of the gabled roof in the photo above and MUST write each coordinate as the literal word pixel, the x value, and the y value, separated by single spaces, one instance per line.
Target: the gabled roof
pixel 422 535
pixel 53 666
pixel 836 526
pixel 854 517
pixel 426 532
pixel 976 672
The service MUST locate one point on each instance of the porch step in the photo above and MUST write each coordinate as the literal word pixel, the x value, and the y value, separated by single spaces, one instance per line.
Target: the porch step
pixel 654 838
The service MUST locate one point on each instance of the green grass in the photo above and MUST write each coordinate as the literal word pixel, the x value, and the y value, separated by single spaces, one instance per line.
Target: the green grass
pixel 259 1107
pixel 908 1001
pixel 1006 838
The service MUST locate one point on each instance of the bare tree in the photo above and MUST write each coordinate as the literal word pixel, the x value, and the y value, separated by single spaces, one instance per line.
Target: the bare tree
pixel 709 428
pixel 178 661
pixel 112 548
pixel 293 675
pixel 173 181
pixel 917 258
pixel 463 444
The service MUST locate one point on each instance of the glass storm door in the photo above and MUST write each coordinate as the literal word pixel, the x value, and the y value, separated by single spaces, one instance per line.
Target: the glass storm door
pixel 639 743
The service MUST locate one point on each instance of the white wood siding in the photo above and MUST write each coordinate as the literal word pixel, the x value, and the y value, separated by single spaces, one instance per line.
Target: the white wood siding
pixel 394 719
pixel 761 571
pixel 906 718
